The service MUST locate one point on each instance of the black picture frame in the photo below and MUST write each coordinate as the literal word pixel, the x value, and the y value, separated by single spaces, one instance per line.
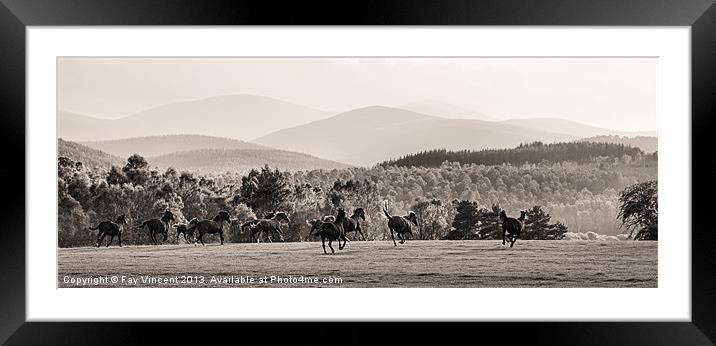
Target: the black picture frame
pixel 16 15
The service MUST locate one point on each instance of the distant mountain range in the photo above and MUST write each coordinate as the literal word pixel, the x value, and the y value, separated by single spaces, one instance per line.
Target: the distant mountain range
pixel 213 154
pixel 571 128
pixel 369 135
pixel 445 110
pixel 167 144
pixel 232 116
pixel 362 137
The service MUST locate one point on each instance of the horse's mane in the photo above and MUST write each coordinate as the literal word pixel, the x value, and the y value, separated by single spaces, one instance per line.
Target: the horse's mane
pixel 168 215
pixel 221 216
pixel 341 215
pixel 412 217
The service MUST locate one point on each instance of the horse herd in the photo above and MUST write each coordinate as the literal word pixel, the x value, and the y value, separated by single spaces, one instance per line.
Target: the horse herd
pixel 330 228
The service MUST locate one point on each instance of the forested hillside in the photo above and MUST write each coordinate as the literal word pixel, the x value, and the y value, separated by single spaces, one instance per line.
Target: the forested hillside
pixel 86 155
pixel 160 145
pixel 646 143
pixel 536 152
pixel 580 197
pixel 241 160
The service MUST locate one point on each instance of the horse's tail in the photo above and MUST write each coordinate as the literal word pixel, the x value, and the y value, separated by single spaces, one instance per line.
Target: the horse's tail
pixel 94 228
pixel 142 225
pixel 385 210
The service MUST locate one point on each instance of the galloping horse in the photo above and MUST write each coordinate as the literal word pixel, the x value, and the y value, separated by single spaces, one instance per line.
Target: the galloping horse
pixel 331 231
pixel 352 224
pixel 315 225
pixel 159 226
pixel 111 229
pixel 511 227
pixel 400 224
pixel 182 229
pixel 209 226
pixel 268 226
pixel 250 228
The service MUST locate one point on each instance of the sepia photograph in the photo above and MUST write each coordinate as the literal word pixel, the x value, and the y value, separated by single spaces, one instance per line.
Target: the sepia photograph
pixel 361 172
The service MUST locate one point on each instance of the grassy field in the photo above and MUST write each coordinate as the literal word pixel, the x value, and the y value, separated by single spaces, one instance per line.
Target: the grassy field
pixel 368 264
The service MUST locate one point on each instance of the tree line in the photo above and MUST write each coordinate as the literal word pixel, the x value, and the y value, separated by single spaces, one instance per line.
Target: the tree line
pixel 582 196
pixel 535 152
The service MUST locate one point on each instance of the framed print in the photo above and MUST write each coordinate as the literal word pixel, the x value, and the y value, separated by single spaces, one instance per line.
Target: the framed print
pixel 454 162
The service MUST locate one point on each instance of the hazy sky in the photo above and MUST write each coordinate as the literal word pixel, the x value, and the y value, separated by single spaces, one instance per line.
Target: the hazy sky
pixel 612 93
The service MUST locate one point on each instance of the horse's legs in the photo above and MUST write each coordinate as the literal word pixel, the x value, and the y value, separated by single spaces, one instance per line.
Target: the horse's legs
pixel 345 242
pixel 221 236
pixel 392 237
pixel 361 234
pixel 513 242
pixel 330 246
pixel 201 236
pixel 503 235
pixel 323 240
pixel 151 235
pixel 110 241
pixel 100 237
pixel 119 236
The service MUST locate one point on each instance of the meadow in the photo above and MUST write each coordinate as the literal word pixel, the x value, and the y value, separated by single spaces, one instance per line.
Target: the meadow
pixel 460 263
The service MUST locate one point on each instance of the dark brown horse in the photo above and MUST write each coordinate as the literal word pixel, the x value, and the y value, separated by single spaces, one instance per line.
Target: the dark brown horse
pixel 111 229
pixel 250 228
pixel 315 225
pixel 400 224
pixel 352 224
pixel 158 226
pixel 182 229
pixel 269 226
pixel 216 225
pixel 511 227
pixel 331 231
